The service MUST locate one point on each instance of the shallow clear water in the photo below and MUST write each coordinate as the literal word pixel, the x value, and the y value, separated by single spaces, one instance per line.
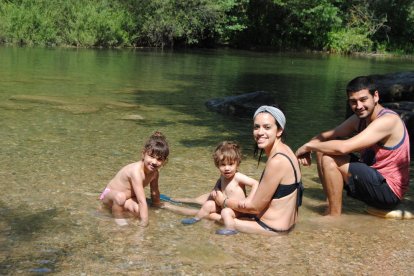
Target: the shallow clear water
pixel 70 119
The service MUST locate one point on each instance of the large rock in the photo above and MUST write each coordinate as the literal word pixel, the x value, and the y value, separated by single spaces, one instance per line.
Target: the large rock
pixel 243 105
pixel 395 87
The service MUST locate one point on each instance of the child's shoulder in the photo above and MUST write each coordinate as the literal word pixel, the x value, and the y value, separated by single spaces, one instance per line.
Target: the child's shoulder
pixel 131 166
pixel 241 178
pixel 239 175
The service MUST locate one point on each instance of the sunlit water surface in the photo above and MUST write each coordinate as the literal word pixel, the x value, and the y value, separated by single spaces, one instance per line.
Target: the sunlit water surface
pixel 70 119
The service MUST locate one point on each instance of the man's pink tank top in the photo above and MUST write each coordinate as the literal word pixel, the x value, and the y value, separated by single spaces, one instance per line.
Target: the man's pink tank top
pixel 393 163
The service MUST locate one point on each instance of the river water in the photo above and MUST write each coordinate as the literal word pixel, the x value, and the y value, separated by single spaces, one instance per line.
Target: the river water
pixel 70 119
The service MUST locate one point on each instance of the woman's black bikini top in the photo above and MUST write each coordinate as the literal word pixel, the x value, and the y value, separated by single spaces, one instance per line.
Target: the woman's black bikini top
pixel 284 190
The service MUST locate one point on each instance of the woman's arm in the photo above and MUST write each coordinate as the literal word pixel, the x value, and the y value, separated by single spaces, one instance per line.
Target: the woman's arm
pixel 274 172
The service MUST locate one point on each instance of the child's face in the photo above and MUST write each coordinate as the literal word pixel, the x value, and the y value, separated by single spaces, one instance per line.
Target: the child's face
pixel 228 168
pixel 152 163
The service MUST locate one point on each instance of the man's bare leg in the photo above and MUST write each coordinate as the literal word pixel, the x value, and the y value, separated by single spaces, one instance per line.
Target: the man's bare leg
pixel 334 172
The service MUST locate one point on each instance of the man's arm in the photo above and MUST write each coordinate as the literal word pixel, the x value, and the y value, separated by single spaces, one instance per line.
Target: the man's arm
pixel 345 129
pixel 375 132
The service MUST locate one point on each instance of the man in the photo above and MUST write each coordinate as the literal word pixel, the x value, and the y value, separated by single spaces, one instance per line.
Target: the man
pixel 380 176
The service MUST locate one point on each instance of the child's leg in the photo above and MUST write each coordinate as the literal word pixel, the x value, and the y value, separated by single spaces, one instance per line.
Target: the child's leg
pixel 198 200
pixel 179 209
pixel 228 215
pixel 208 208
pixel 132 206
pixel 115 200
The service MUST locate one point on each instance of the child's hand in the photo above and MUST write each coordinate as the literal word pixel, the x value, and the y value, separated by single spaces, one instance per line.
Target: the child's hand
pixel 143 223
pixel 242 204
pixel 158 204
pixel 219 198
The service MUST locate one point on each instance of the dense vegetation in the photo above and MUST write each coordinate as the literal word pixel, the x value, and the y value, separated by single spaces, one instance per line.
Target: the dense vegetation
pixel 331 25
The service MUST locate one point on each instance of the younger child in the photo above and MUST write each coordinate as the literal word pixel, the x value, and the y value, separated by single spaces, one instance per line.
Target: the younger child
pixel 227 158
pixel 125 192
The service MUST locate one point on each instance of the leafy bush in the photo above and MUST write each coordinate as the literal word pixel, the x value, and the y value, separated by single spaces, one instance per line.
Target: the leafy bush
pixel 348 41
pixel 85 23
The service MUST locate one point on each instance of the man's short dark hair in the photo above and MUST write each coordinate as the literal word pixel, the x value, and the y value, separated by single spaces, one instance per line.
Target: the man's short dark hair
pixel 360 83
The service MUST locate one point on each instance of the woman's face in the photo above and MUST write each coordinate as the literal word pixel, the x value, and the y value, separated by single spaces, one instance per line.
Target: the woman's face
pixel 265 130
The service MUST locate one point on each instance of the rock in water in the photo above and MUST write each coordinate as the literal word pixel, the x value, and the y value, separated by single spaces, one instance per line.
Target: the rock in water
pixel 243 105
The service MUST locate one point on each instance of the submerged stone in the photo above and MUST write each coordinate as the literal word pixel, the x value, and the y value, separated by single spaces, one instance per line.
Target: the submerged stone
pixel 116 104
pixel 38 99
pixel 133 117
pixel 79 108
pixel 243 105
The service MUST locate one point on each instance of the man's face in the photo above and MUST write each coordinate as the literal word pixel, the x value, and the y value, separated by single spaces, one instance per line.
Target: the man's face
pixel 362 102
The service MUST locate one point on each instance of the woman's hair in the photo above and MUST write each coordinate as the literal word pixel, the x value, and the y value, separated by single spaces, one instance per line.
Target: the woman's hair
pixel 157 145
pixel 227 151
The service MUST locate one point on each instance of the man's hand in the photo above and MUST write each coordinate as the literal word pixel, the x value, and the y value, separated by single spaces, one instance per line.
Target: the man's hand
pixel 304 156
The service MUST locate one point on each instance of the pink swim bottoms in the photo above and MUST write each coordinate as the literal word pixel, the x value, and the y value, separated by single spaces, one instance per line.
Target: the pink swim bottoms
pixel 104 193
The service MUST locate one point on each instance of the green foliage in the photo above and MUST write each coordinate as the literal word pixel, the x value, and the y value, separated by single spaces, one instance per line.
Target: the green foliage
pixel 313 20
pixel 290 23
pixel 25 22
pixel 190 22
pixel 85 23
pixel 95 24
pixel 348 41
pixel 357 36
pixel 335 25
pixel 398 31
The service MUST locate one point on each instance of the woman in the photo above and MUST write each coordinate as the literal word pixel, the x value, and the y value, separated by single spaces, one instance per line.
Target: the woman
pixel 275 204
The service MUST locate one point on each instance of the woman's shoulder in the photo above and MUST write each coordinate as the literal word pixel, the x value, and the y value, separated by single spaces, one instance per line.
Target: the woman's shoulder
pixel 282 158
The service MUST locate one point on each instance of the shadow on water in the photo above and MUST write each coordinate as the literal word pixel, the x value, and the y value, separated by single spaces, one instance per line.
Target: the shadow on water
pixel 21 227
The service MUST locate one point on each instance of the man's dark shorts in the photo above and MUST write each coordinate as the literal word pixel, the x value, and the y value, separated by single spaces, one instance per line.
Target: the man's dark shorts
pixel 368 185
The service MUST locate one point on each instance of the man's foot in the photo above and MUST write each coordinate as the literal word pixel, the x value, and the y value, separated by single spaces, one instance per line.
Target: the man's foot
pixel 226 232
pixel 188 221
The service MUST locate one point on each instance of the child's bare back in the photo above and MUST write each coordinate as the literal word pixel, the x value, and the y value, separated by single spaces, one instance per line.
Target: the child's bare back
pixel 132 173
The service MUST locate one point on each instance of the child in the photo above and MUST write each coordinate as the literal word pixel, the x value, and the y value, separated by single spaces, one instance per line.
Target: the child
pixel 125 192
pixel 227 158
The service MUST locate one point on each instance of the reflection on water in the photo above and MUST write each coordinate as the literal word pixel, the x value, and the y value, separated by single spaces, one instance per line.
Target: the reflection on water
pixel 71 118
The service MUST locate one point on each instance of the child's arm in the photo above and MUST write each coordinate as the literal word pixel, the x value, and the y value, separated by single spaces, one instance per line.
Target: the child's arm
pixel 138 186
pixel 155 193
pixel 245 180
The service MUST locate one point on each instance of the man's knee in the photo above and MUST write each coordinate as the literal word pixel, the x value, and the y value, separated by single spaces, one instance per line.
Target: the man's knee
pixel 328 162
